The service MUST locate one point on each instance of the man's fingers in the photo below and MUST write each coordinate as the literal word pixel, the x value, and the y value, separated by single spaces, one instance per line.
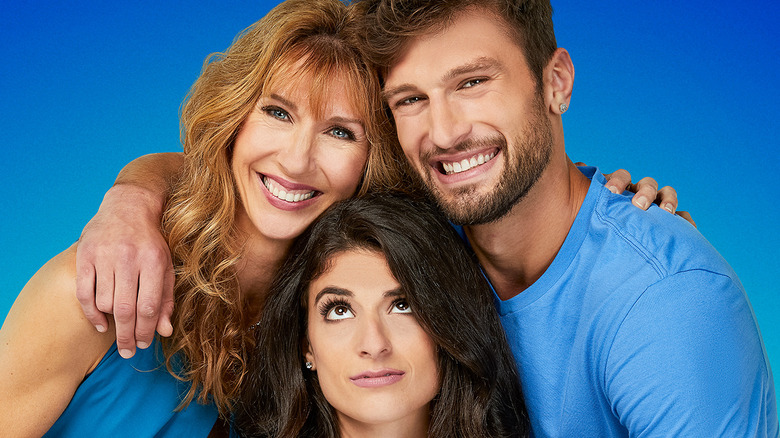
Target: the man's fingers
pixel 104 290
pixel 667 199
pixel 687 216
pixel 618 181
pixel 85 293
pixel 151 284
pixel 125 298
pixel 164 326
pixel 646 190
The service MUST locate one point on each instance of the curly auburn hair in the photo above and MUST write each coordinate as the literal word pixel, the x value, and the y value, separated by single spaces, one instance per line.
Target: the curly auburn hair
pixel 210 340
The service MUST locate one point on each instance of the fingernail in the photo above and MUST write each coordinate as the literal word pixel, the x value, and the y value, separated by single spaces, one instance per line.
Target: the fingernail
pixel 641 202
pixel 125 353
pixel 142 345
pixel 613 189
pixel 668 207
pixel 100 328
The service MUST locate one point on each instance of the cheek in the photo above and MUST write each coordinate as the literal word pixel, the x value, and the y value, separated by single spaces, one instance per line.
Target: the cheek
pixel 407 132
pixel 346 169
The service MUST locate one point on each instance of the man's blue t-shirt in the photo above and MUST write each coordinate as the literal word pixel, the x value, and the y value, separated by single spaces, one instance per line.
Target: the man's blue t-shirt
pixel 639 328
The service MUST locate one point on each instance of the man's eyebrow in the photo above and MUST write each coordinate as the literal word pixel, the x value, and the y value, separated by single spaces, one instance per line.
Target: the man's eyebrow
pixel 332 290
pixel 387 94
pixel 481 63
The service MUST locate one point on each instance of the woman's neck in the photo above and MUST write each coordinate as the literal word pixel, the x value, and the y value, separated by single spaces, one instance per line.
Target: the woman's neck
pixel 260 260
pixel 413 426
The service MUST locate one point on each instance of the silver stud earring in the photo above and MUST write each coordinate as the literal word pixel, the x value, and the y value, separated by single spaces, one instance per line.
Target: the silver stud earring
pixel 309 365
pixel 563 108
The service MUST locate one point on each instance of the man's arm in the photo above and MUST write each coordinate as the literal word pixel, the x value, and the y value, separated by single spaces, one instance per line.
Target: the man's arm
pixel 688 361
pixel 123 262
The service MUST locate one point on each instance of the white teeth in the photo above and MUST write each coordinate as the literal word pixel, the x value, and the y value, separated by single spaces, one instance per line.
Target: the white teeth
pixel 283 194
pixel 464 165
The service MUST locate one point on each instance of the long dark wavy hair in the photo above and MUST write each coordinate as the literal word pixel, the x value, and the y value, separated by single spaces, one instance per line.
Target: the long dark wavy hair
pixel 480 394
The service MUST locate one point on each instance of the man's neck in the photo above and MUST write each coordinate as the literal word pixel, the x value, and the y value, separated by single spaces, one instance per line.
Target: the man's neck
pixel 517 249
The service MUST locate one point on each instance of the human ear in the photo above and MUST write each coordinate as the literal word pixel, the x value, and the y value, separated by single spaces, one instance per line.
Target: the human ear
pixel 309 357
pixel 558 81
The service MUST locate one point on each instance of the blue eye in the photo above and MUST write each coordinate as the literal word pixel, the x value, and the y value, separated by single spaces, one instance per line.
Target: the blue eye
pixel 340 132
pixel 277 113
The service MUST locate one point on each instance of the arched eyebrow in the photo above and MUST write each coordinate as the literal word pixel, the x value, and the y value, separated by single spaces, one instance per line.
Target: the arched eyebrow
pixel 332 290
pixel 339 291
pixel 479 64
pixel 284 101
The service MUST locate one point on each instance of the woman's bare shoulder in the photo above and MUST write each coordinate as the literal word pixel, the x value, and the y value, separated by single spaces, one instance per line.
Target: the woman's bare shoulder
pixel 47 314
pixel 47 347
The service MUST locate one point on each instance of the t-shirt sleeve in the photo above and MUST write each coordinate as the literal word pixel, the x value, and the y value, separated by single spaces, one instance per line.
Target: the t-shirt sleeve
pixel 688 360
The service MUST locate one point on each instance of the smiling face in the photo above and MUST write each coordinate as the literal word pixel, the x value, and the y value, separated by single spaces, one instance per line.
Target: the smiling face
pixel 470 118
pixel 290 162
pixel 375 364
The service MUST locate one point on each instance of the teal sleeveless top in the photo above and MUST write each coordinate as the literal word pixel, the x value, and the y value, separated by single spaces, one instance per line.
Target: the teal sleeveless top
pixel 134 397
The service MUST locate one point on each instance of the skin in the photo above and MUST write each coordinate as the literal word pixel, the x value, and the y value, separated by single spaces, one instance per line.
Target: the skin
pixel 358 322
pixel 124 264
pixel 471 81
pixel 42 365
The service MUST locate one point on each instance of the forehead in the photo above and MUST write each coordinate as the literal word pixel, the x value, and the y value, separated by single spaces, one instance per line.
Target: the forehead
pixel 321 89
pixel 363 272
pixel 474 34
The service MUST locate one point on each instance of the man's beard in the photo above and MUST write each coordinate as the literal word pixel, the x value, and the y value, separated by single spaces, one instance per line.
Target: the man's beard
pixel 522 168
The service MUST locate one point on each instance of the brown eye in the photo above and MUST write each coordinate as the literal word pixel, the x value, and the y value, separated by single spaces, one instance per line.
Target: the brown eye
pixel 339 312
pixel 401 306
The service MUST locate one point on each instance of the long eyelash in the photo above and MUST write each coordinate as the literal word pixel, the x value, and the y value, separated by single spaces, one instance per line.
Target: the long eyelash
pixel 350 134
pixel 330 303
pixel 401 300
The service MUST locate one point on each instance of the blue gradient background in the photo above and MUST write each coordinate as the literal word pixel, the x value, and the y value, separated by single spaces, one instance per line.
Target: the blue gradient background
pixel 686 92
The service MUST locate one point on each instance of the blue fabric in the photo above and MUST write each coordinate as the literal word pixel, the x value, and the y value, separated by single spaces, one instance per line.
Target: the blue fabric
pixel 639 328
pixel 132 398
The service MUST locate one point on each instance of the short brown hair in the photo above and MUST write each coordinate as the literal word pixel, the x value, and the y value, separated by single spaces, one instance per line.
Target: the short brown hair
pixel 391 24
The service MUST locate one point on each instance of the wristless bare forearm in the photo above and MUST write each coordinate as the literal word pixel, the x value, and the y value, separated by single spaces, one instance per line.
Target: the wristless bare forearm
pixel 154 175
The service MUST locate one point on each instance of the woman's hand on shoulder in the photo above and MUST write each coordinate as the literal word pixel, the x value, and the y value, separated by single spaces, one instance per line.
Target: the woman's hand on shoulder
pixel 47 347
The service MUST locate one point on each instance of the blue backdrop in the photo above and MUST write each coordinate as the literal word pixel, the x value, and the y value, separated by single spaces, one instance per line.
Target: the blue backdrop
pixel 686 92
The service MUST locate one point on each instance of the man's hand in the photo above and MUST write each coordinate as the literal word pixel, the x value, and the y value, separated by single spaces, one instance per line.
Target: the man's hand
pixel 123 264
pixel 647 192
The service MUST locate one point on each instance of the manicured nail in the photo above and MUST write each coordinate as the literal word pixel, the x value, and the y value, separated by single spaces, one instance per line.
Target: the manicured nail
pixel 613 189
pixel 668 207
pixel 641 202
pixel 142 345
pixel 100 328
pixel 125 353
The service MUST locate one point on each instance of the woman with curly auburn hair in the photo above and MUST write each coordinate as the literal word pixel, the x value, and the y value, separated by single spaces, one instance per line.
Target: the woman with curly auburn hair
pixel 381 324
pixel 275 130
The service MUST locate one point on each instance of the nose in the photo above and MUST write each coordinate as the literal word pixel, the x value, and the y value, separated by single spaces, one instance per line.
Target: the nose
pixel 447 124
pixel 372 339
pixel 297 157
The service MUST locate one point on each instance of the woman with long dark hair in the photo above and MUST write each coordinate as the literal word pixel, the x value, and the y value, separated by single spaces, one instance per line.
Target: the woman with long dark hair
pixel 381 324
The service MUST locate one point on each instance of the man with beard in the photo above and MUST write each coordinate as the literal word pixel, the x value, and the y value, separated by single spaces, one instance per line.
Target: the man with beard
pixel 623 323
